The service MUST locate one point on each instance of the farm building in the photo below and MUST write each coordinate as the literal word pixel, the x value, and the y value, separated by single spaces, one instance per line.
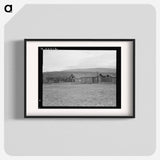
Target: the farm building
pixel 80 78
pixel 107 78
pixel 98 78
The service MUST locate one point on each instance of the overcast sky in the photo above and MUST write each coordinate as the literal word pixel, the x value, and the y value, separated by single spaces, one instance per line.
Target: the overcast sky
pixel 59 60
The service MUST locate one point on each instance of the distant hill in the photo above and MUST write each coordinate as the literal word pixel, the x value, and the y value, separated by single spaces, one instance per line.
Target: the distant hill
pixel 101 70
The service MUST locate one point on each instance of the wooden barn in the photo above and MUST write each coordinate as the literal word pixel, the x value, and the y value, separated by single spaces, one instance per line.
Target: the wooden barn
pixel 94 78
pixel 107 78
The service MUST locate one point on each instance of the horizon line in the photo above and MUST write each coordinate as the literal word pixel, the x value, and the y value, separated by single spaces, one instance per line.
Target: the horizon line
pixel 76 69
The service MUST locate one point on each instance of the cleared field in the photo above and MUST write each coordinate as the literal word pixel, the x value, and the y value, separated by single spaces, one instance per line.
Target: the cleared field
pixel 69 94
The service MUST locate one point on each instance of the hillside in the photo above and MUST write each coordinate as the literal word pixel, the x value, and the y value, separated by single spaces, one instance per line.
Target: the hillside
pixel 100 70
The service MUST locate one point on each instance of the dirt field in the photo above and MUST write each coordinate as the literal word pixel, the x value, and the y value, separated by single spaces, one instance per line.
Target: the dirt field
pixel 69 94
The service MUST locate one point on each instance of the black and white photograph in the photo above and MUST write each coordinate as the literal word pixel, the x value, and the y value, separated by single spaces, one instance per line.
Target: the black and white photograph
pixel 79 77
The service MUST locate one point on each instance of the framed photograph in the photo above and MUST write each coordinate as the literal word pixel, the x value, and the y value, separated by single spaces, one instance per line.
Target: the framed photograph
pixel 79 78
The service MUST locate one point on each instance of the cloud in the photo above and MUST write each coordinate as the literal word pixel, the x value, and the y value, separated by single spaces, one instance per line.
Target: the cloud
pixel 57 60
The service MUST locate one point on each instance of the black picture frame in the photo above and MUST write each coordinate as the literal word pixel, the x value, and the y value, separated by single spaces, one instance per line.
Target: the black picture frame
pixel 119 73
